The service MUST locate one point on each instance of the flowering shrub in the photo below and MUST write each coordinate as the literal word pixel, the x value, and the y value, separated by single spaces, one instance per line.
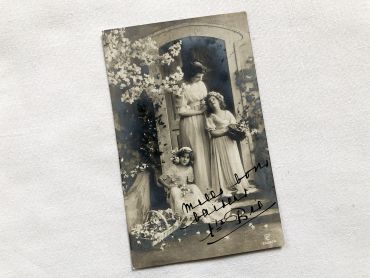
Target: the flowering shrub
pixel 128 63
pixel 136 132
pixel 173 84
pixel 246 80
pixel 128 177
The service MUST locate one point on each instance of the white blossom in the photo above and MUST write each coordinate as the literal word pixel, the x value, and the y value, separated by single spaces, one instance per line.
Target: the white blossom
pixel 125 61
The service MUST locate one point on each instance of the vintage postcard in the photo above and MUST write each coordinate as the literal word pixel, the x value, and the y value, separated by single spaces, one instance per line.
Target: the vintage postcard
pixel 195 166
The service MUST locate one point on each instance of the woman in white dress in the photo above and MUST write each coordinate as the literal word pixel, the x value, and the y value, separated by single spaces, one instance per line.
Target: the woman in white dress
pixel 225 157
pixel 191 108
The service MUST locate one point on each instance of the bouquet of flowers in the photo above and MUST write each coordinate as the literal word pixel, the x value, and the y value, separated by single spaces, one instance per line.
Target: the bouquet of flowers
pixel 236 132
pixel 185 190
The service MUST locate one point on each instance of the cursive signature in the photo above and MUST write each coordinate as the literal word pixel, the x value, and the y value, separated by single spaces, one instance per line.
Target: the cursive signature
pixel 239 215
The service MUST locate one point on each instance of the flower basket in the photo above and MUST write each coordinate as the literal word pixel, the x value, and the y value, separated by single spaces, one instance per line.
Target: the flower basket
pixel 158 225
pixel 235 132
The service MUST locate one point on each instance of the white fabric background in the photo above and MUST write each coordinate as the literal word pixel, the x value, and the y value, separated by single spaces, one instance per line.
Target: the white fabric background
pixel 61 204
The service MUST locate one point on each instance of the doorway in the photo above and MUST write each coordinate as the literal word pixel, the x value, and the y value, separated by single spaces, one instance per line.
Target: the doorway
pixel 211 52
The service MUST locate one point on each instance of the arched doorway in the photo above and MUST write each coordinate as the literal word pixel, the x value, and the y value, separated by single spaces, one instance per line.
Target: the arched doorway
pixel 236 49
pixel 211 52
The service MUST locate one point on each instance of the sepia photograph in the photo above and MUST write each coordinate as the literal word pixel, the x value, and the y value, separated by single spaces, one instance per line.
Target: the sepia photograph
pixel 195 166
pixel 182 138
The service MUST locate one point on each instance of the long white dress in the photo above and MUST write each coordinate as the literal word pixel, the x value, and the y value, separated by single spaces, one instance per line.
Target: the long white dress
pixel 225 157
pixel 185 191
pixel 193 133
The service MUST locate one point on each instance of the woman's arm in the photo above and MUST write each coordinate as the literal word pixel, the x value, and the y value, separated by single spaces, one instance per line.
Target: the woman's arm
pixel 218 132
pixel 190 112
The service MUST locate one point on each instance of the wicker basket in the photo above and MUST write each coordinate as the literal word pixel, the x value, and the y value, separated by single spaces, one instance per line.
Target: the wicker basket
pixel 154 230
pixel 236 133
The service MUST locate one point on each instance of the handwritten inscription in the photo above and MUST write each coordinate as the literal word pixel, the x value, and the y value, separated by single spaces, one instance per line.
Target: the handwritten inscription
pixel 239 215
pixel 205 212
pixel 212 195
pixel 254 168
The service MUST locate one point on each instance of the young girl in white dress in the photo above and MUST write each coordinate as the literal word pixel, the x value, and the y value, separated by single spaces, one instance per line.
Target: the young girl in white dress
pixel 179 181
pixel 225 157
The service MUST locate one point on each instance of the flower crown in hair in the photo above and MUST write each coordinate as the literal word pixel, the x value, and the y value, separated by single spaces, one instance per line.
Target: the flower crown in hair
pixel 175 154
pixel 185 149
pixel 216 95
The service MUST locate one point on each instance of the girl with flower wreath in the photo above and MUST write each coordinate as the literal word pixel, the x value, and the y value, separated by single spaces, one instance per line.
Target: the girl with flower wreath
pixel 225 157
pixel 179 181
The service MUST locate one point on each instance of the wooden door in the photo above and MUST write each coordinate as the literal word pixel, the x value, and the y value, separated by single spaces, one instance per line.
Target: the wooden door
pixel 173 121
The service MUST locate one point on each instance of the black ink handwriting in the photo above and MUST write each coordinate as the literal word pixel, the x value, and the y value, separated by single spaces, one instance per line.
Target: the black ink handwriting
pixel 254 168
pixel 205 212
pixel 240 215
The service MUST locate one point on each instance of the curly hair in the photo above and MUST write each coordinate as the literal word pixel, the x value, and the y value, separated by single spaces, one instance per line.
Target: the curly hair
pixel 185 150
pixel 220 99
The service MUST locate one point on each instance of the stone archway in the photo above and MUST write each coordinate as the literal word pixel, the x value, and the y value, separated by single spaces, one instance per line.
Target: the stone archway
pixel 237 44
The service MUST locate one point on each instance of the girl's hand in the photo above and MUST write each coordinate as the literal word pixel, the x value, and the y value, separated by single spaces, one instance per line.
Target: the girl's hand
pixel 182 185
pixel 203 109
pixel 219 132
